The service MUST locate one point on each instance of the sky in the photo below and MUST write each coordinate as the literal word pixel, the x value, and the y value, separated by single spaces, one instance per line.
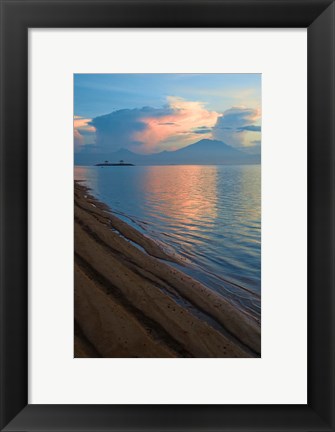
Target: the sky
pixel 149 113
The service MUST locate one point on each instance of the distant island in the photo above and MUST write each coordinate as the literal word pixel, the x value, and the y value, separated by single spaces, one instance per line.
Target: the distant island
pixel 121 163
pixel 203 152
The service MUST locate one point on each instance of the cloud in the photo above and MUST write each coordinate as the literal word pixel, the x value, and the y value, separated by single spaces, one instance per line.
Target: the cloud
pixel 202 130
pixel 175 125
pixel 252 128
pixel 78 139
pixel 148 130
pixel 181 119
pixel 117 129
pixel 236 127
pixel 83 132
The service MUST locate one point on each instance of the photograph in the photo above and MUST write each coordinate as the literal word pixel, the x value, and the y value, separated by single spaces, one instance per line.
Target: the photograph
pixel 167 215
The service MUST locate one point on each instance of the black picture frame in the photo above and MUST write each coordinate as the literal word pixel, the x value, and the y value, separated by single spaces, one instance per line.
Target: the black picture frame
pixel 17 16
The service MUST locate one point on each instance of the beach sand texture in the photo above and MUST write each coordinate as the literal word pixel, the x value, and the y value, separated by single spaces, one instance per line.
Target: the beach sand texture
pixel 129 301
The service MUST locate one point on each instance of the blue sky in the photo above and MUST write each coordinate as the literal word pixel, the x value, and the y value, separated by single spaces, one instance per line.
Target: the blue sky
pixel 147 113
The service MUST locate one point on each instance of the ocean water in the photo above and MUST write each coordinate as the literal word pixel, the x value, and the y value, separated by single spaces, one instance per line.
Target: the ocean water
pixel 209 215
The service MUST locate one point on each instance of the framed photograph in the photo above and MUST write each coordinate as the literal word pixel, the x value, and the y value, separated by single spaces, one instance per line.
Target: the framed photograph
pixel 167 214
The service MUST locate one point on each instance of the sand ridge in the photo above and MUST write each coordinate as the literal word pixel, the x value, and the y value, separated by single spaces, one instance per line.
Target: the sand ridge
pixel 129 302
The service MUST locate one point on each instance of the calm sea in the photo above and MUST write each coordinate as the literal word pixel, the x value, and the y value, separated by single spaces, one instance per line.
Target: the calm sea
pixel 209 215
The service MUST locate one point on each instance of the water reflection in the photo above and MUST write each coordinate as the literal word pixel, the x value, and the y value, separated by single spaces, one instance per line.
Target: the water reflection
pixel 186 197
pixel 89 176
pixel 211 215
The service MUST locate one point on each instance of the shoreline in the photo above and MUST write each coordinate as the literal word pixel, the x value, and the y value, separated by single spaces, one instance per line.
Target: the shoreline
pixel 129 302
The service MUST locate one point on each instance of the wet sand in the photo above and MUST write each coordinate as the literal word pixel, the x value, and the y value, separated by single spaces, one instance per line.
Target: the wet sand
pixel 129 301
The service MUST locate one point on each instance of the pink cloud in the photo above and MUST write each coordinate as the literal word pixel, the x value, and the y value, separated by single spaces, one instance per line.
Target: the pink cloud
pixel 182 121
pixel 83 124
pixel 81 129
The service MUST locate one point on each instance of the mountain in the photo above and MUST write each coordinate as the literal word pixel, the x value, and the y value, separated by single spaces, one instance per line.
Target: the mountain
pixel 207 151
pixel 203 152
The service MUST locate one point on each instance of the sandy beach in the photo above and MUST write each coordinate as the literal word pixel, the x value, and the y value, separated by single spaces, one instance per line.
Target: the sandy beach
pixel 130 301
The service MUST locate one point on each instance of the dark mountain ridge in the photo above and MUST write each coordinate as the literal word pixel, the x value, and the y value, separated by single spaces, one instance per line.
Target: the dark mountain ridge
pixel 203 152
